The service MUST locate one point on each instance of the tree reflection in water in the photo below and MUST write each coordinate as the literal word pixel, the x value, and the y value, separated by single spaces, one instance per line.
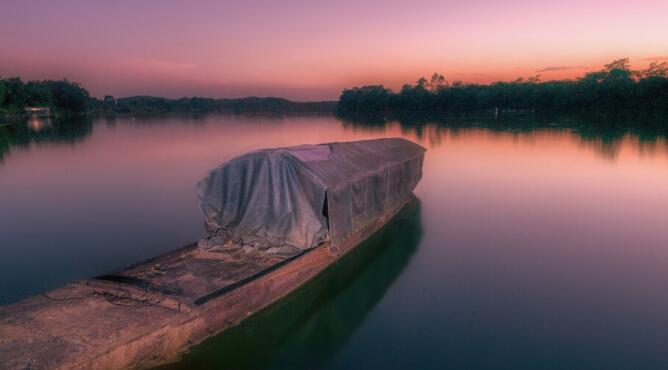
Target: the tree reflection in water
pixel 604 134
pixel 67 129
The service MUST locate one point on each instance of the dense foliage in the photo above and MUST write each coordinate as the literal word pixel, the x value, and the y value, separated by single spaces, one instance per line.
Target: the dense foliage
pixel 614 88
pixel 62 95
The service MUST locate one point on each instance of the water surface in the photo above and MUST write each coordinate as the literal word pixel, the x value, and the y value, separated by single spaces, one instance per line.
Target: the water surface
pixel 531 246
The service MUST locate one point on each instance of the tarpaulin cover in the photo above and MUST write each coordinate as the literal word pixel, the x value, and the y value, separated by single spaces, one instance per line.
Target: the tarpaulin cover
pixel 300 196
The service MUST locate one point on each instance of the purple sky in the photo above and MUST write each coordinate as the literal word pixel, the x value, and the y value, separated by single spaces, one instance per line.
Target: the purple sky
pixel 310 50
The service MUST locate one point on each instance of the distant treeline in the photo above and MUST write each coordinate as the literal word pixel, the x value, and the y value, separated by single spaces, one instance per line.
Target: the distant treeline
pixel 613 89
pixel 151 105
pixel 68 97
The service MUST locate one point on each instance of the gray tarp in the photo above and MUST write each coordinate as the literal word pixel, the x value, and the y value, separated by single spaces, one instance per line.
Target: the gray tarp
pixel 301 196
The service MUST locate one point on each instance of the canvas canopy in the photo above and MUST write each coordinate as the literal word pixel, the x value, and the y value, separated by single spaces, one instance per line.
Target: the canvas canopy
pixel 299 197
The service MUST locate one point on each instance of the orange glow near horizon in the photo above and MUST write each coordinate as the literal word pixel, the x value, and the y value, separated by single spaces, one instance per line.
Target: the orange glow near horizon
pixel 311 51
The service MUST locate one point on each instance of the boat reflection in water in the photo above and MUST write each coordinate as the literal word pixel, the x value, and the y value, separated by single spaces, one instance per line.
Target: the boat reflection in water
pixel 315 322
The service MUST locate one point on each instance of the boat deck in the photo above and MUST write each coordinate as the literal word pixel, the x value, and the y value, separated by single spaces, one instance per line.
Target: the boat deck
pixel 80 321
pixel 192 275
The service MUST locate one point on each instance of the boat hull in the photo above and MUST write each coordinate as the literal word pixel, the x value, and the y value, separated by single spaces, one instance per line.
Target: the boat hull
pixel 90 325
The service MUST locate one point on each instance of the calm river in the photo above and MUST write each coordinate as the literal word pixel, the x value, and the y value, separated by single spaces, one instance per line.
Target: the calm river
pixel 530 248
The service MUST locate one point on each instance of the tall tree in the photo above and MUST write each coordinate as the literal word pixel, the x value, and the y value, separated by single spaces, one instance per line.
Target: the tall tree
pixel 656 69
pixel 3 91
pixel 437 82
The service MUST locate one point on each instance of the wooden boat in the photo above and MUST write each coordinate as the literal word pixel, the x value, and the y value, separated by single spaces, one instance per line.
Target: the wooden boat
pixel 319 318
pixel 150 313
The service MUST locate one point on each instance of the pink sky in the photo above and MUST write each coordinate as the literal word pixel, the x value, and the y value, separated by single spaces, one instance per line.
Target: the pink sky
pixel 311 50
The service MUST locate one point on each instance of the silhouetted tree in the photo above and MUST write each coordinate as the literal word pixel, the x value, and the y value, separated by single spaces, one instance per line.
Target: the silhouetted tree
pixel 656 69
pixel 437 82
pixel 68 96
pixel 38 94
pixel 3 92
pixel 366 99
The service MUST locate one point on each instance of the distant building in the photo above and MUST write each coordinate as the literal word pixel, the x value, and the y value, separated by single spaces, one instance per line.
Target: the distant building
pixel 109 101
pixel 38 112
